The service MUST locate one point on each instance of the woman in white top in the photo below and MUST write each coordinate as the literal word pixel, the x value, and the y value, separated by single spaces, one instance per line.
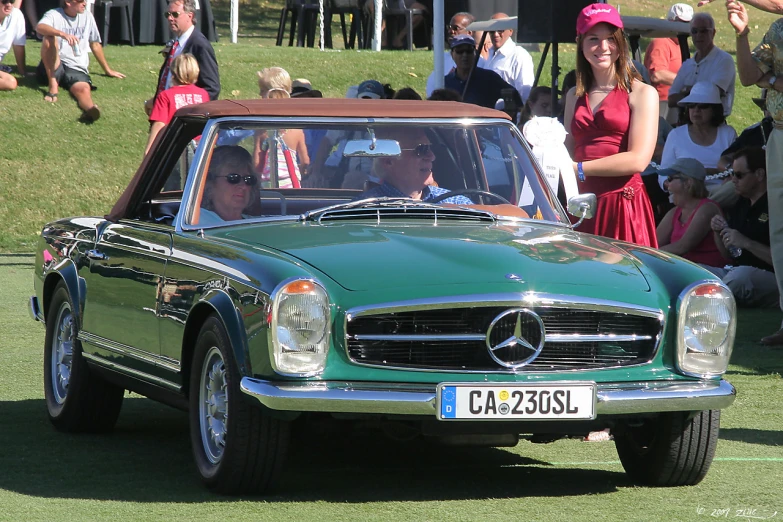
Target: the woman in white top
pixel 705 136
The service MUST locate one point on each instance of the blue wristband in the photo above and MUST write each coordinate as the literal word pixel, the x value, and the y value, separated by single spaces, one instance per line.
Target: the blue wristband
pixel 580 171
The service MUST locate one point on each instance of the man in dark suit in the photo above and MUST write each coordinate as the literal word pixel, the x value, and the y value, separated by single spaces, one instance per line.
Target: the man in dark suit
pixel 187 39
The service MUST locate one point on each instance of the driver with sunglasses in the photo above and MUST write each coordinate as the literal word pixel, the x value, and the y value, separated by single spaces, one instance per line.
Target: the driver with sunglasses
pixel 231 190
pixel 408 175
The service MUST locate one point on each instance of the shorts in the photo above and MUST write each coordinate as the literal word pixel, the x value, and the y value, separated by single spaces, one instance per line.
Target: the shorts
pixel 65 76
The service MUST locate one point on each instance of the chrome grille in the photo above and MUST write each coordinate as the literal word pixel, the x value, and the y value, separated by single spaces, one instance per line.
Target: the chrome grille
pixel 454 339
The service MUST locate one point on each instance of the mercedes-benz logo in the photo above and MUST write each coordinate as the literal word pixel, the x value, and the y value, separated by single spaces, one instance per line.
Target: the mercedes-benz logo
pixel 515 337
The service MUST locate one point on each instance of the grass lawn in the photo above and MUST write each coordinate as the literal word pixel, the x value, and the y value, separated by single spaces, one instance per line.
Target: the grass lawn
pixel 144 469
pixel 51 166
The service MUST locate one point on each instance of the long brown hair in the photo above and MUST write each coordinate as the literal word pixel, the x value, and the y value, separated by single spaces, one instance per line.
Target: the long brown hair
pixel 624 73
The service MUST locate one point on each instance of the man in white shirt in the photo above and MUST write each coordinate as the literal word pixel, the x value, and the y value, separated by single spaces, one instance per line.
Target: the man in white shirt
pixel 68 32
pixel 510 61
pixel 708 64
pixel 11 35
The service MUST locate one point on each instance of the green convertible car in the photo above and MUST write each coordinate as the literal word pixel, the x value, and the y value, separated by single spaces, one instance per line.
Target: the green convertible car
pixel 405 263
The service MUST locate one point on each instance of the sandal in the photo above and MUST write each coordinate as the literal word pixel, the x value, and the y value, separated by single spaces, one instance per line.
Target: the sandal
pixel 52 97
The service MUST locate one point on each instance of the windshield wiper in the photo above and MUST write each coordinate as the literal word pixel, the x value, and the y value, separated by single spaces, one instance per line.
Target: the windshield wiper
pixel 381 203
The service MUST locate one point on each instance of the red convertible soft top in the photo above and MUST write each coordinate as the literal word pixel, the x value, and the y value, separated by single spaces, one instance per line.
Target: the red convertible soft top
pixel 312 107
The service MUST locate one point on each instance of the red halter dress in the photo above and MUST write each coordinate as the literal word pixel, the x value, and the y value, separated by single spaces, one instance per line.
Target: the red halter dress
pixel 624 210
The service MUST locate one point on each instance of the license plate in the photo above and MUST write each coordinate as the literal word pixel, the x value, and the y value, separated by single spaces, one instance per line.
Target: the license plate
pixel 551 401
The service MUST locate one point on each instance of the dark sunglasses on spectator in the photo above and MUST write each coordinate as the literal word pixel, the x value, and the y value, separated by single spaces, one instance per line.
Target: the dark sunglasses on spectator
pixel 455 28
pixel 701 106
pixel 235 179
pixel 6 2
pixel 673 177
pixel 173 14
pixel 739 174
pixel 695 31
pixel 422 149
pixel 464 50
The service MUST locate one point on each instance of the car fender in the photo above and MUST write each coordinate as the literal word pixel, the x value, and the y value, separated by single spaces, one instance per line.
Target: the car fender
pixel 217 301
pixel 66 272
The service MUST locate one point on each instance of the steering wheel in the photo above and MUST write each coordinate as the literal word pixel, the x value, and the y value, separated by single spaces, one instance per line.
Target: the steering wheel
pixel 466 192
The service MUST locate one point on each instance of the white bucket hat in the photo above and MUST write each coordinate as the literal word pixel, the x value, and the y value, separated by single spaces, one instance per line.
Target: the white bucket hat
pixel 702 92
pixel 680 13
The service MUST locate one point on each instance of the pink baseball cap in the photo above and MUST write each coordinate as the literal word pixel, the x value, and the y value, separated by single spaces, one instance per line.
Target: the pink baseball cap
pixel 595 14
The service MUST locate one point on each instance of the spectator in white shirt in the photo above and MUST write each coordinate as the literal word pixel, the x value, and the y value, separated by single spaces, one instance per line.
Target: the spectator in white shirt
pixel 510 61
pixel 709 64
pixel 11 35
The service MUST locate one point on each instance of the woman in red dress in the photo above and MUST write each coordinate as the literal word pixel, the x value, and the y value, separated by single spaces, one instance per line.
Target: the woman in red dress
pixel 613 120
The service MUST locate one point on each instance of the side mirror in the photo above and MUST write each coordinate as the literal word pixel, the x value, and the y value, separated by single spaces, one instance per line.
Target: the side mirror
pixel 582 206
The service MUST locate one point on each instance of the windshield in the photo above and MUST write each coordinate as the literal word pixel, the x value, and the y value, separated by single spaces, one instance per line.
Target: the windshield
pixel 258 171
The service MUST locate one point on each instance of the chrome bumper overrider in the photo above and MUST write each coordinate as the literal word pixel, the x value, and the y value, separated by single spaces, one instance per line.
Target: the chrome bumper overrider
pixel 401 399
pixel 35 310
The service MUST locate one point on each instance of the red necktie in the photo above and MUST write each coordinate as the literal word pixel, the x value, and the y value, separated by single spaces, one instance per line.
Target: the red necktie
pixel 164 76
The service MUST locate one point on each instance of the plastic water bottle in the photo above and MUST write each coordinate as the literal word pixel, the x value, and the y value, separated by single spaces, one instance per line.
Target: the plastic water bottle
pixel 76 50
pixel 734 251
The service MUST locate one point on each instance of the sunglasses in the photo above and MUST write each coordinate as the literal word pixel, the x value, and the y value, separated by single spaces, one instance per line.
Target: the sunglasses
pixel 465 50
pixel 739 174
pixel 235 179
pixel 422 149
pixel 700 106
pixel 673 177
pixel 6 2
pixel 455 28
pixel 172 14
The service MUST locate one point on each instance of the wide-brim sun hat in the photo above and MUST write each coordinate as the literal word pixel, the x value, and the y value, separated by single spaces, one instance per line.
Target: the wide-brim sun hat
pixel 595 14
pixel 702 92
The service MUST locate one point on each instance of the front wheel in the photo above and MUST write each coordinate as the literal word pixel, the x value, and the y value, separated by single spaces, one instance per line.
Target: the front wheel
pixel 77 399
pixel 674 449
pixel 237 447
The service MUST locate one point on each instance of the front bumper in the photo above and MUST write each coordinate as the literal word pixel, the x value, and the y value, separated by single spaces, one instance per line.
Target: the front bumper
pixel 402 399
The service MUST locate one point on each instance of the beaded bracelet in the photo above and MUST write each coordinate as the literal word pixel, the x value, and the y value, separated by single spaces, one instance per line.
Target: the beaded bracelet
pixel 580 171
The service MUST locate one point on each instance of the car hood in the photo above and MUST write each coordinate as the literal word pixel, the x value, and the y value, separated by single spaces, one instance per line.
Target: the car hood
pixel 372 256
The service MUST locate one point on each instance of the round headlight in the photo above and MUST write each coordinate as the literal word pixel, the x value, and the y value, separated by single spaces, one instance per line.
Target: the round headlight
pixel 706 328
pixel 301 323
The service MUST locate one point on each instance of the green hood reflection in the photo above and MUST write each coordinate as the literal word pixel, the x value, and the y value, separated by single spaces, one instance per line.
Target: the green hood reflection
pixel 361 256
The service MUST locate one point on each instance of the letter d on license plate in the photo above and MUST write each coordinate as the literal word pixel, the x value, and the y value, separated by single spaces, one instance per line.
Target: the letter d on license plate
pixel 550 401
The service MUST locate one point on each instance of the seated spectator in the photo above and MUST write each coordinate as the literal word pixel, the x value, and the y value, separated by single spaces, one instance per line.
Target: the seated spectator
pixel 184 73
pixel 300 86
pixel 685 229
pixel 407 93
pixel 445 95
pixel 757 134
pixel 539 103
pixel 746 232
pixel 486 87
pixel 706 134
pixel 231 189
pixel 290 145
pixel 407 176
pixel 12 35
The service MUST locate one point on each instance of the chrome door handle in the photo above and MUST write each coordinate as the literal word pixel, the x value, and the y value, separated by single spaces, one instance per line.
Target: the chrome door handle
pixel 96 255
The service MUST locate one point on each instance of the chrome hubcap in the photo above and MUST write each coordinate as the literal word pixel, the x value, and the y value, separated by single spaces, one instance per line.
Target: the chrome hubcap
pixel 213 405
pixel 62 354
